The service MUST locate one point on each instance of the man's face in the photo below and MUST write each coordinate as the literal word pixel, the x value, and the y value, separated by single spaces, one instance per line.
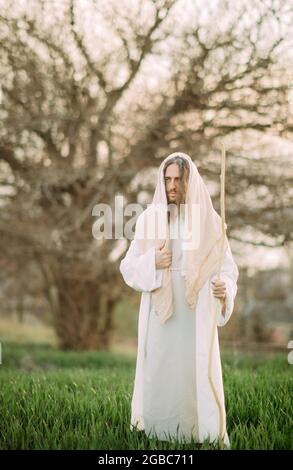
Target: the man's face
pixel 173 184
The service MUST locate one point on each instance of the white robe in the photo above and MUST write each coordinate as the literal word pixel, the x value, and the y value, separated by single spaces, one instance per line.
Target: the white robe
pixel 172 396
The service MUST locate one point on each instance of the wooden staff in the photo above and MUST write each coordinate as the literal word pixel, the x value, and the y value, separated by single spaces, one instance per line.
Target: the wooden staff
pixel 217 302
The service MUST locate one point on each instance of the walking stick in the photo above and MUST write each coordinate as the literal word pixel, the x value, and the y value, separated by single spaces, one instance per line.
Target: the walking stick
pixel 217 302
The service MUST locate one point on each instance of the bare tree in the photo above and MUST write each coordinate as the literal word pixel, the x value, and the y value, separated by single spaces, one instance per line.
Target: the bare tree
pixel 81 124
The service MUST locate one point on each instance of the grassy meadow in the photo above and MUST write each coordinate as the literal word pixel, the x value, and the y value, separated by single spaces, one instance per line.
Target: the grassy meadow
pixel 67 400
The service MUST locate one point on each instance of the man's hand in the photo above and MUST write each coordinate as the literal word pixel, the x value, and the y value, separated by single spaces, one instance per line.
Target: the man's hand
pixel 163 257
pixel 219 291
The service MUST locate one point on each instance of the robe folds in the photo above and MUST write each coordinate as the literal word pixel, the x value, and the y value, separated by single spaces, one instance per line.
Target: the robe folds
pixel 140 273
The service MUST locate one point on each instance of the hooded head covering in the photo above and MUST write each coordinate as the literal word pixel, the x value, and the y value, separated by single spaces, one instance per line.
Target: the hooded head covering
pixel 201 241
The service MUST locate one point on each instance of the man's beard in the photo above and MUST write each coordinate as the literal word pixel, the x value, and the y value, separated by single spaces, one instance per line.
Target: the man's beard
pixel 179 199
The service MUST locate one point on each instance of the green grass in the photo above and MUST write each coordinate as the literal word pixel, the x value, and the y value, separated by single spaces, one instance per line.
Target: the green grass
pixel 64 400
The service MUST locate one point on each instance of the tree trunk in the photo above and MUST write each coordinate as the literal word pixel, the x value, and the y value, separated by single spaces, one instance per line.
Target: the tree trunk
pixel 20 308
pixel 83 319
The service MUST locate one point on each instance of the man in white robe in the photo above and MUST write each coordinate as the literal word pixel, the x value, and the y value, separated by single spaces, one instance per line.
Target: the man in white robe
pixel 173 397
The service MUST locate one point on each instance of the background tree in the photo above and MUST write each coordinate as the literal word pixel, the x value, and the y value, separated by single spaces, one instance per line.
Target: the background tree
pixel 93 97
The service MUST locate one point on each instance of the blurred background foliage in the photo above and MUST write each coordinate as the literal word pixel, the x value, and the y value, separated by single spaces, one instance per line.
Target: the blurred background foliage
pixel 94 94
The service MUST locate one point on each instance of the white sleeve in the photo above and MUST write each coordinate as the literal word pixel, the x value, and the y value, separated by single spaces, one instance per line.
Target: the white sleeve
pixel 229 273
pixel 139 270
